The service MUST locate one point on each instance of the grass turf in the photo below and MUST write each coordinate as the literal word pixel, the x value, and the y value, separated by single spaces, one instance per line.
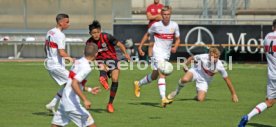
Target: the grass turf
pixel 26 87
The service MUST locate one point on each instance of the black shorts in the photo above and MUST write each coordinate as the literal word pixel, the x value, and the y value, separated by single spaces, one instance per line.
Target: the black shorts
pixel 111 64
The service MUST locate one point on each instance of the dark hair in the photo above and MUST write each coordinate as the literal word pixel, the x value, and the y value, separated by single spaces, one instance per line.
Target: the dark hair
pixel 274 23
pixel 94 25
pixel 61 16
pixel 90 49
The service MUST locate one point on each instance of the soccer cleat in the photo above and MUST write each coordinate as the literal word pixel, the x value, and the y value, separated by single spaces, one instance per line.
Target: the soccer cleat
pixel 165 101
pixel 172 95
pixel 103 81
pixel 136 88
pixel 50 108
pixel 109 108
pixel 243 121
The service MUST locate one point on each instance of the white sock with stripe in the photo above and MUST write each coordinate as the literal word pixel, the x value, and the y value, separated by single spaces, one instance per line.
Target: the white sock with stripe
pixel 257 110
pixel 162 87
pixel 147 79
pixel 179 86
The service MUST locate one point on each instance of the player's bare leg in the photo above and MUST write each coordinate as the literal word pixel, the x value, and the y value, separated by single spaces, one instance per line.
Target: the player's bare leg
pixel 114 86
pixel 200 95
pixel 181 83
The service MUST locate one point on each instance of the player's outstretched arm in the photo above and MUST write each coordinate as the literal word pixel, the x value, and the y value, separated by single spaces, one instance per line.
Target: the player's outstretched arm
pixel 145 37
pixel 123 49
pixel 78 91
pixel 232 89
pixel 187 63
pixel 64 54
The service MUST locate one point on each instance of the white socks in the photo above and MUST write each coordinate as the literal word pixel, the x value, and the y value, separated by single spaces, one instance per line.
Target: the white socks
pixel 257 110
pixel 162 87
pixel 147 79
pixel 179 86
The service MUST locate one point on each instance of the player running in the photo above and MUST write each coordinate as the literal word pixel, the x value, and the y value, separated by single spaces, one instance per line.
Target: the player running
pixel 56 55
pixel 107 59
pixel 70 107
pixel 270 51
pixel 202 73
pixel 164 32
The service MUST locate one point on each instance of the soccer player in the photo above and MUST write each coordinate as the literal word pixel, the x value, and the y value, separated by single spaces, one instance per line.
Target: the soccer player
pixel 153 15
pixel 270 51
pixel 164 32
pixel 56 55
pixel 107 59
pixel 70 107
pixel 202 73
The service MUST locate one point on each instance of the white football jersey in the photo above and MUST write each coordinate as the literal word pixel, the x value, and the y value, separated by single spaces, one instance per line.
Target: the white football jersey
pixel 80 70
pixel 55 39
pixel 270 51
pixel 209 70
pixel 163 38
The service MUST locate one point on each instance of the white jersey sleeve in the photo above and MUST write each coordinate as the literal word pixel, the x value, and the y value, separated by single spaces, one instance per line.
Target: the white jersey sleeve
pixel 221 69
pixel 152 29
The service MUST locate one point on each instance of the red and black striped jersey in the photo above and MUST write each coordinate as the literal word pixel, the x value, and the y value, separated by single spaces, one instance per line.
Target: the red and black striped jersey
pixel 106 45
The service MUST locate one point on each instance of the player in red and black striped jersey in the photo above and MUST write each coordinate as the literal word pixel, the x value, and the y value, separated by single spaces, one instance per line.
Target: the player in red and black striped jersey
pixel 107 58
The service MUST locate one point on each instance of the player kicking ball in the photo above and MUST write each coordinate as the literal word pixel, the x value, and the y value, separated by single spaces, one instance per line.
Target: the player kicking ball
pixel 270 52
pixel 164 31
pixel 202 73
pixel 70 108
pixel 107 59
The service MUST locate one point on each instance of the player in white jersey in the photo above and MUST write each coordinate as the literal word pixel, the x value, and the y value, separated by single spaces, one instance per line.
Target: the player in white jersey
pixel 164 31
pixel 55 52
pixel 70 107
pixel 270 51
pixel 207 65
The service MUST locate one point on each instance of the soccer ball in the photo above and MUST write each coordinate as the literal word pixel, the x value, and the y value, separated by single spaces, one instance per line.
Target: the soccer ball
pixel 165 67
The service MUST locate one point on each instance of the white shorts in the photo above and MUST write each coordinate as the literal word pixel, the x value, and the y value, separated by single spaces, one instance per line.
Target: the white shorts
pixel 201 82
pixel 271 89
pixel 81 118
pixel 59 74
pixel 155 61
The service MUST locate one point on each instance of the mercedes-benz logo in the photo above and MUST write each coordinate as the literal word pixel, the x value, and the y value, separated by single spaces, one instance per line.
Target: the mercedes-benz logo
pixel 199 38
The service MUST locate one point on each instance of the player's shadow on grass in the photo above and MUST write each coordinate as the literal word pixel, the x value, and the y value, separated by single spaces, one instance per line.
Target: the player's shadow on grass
pixel 147 104
pixel 43 113
pixel 193 99
pixel 98 110
pixel 259 125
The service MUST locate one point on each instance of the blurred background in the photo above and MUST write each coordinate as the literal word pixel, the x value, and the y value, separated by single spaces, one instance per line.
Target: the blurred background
pixel 24 23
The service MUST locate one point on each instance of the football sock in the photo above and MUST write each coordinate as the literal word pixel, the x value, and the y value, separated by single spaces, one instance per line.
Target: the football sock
pixel 179 86
pixel 57 97
pixel 113 90
pixel 147 79
pixel 162 87
pixel 257 110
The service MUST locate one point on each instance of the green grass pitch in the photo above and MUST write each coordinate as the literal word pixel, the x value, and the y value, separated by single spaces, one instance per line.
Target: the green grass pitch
pixel 26 87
